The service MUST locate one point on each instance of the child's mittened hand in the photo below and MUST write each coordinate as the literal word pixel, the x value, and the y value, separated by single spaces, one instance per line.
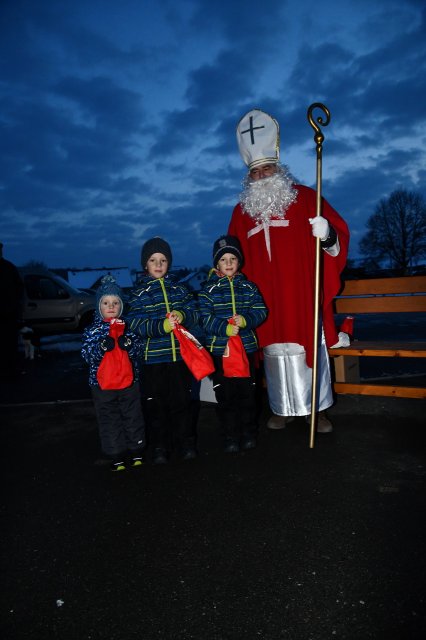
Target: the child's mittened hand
pixel 320 227
pixel 167 325
pixel 177 316
pixel 171 319
pixel 107 344
pixel 239 320
pixel 232 330
pixel 124 342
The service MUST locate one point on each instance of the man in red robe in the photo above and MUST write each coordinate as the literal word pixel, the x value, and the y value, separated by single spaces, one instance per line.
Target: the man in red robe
pixel 277 227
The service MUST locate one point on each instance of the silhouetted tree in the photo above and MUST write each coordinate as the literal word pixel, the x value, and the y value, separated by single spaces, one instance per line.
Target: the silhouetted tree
pixel 397 230
pixel 36 266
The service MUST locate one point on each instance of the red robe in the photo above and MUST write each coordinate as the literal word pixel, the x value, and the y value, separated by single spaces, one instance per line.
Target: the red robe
pixel 287 280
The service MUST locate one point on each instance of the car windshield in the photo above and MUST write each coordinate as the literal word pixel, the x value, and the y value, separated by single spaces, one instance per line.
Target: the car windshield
pixel 67 285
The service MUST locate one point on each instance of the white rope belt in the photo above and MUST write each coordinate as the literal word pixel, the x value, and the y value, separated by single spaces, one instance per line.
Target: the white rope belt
pixel 265 227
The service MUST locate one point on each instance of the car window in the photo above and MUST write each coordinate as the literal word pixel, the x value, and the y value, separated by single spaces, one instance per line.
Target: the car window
pixel 44 288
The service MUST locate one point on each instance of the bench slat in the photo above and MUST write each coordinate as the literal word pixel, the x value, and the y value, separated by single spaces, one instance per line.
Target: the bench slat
pixel 381 304
pixel 380 390
pixel 382 349
pixel 407 284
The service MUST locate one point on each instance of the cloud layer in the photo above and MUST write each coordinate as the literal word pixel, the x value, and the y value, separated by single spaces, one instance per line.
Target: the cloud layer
pixel 118 121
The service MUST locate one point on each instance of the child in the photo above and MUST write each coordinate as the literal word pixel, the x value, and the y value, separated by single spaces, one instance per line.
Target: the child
pixel 111 352
pixel 232 305
pixel 156 306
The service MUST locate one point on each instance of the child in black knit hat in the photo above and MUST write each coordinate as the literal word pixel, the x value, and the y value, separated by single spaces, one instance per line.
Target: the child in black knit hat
pixel 231 305
pixel 157 304
pixel 112 353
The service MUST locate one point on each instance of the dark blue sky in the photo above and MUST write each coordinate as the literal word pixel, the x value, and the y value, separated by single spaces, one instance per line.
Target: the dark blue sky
pixel 118 118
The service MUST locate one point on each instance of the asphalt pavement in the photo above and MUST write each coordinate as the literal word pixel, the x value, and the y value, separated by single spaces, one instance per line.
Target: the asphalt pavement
pixel 282 542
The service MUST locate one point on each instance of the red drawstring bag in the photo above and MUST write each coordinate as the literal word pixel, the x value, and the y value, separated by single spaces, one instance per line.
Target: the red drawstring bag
pixel 347 326
pixel 234 361
pixel 196 357
pixel 115 370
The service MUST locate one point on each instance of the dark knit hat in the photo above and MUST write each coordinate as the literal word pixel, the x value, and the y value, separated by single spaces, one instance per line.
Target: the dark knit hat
pixel 108 287
pixel 155 245
pixel 227 244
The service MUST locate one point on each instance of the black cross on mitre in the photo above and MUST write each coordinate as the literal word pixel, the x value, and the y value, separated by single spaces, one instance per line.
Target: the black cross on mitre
pixel 252 129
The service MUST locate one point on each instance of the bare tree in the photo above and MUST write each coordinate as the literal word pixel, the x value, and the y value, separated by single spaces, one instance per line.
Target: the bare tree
pixel 397 230
pixel 36 265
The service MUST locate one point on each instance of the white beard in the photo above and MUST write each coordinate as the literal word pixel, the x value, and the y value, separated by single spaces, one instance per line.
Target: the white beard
pixel 269 197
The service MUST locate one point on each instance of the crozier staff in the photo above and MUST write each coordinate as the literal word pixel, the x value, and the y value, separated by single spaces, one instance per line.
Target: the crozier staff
pixel 276 225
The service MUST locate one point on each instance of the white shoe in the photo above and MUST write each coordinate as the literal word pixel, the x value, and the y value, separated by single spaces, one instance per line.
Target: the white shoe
pixel 278 422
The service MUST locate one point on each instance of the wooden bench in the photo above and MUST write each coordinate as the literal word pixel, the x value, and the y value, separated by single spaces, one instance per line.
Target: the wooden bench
pixel 380 295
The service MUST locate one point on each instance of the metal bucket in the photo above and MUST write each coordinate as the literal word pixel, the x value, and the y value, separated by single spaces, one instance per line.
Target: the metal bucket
pixel 289 379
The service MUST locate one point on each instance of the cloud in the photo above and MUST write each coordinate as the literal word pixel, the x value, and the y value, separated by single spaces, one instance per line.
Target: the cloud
pixel 118 121
pixel 242 22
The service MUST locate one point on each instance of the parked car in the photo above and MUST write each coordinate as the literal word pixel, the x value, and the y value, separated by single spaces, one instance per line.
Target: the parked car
pixel 51 305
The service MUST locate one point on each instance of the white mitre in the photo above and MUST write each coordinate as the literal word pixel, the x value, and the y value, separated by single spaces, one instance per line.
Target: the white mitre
pixel 258 137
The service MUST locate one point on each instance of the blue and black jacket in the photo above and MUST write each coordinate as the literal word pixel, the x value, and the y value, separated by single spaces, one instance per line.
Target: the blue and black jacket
pixel 222 297
pixel 93 353
pixel 149 304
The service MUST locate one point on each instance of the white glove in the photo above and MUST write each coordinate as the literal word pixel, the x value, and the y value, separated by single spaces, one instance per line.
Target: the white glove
pixel 344 340
pixel 320 227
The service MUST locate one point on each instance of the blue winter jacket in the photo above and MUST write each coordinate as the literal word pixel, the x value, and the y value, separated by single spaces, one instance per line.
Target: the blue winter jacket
pixel 219 299
pixel 93 354
pixel 149 304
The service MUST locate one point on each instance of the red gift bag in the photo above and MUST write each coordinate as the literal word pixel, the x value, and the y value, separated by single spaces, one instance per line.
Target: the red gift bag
pixel 196 357
pixel 347 326
pixel 115 370
pixel 234 361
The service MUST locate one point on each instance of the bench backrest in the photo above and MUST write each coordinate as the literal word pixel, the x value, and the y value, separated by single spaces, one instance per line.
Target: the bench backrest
pixel 382 295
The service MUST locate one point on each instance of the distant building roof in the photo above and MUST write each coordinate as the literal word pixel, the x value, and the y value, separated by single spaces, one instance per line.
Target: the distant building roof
pixel 89 278
pixel 195 279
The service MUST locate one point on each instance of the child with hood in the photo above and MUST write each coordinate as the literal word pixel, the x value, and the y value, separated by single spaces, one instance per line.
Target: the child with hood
pixel 112 353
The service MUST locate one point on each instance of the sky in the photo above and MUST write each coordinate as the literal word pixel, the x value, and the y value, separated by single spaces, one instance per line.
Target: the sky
pixel 117 119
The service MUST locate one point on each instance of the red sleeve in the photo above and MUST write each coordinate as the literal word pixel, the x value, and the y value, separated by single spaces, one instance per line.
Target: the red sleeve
pixel 333 268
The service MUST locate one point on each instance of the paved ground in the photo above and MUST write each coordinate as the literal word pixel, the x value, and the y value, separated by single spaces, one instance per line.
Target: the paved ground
pixel 280 542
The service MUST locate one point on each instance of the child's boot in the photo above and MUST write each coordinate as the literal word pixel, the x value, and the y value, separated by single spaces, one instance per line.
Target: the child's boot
pixel 231 446
pixel 118 464
pixel 159 456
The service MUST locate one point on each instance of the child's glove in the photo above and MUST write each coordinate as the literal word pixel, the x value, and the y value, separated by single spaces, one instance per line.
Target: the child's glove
pixel 173 318
pixel 107 344
pixel 124 342
pixel 178 316
pixel 240 321
pixel 232 329
pixel 168 328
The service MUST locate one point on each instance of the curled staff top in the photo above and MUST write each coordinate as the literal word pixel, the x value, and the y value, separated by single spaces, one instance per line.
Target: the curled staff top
pixel 318 137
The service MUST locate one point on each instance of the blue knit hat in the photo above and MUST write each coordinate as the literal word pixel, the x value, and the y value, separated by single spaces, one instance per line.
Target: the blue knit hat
pixel 108 287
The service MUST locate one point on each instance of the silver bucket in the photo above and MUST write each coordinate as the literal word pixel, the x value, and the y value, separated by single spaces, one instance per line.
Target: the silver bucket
pixel 289 379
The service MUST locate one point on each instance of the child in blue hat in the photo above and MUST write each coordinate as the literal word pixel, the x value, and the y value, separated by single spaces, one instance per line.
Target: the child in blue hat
pixel 112 353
